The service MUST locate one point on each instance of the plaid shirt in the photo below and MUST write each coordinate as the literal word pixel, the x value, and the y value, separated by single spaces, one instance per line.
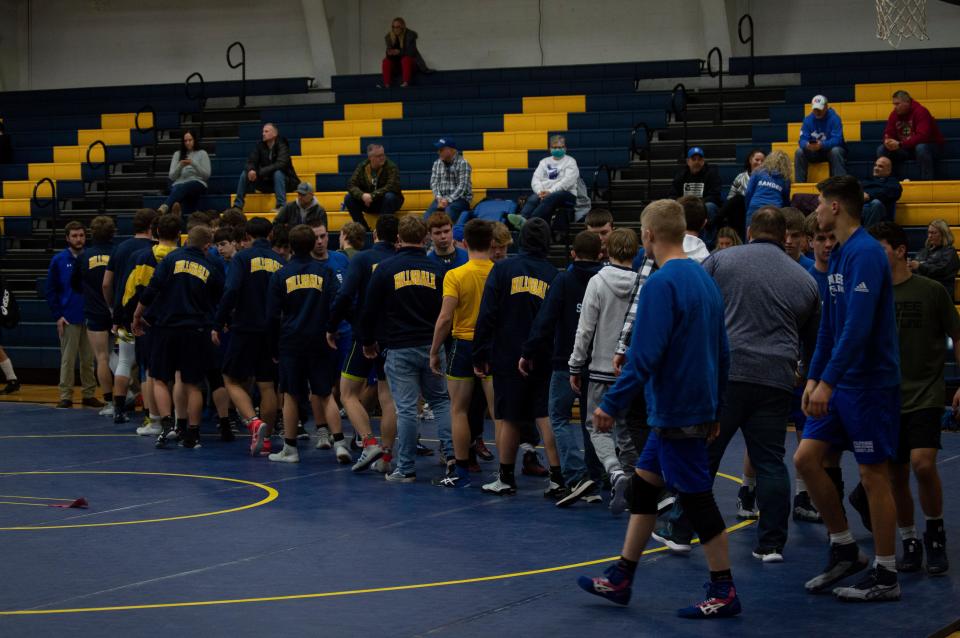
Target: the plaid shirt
pixel 646 269
pixel 452 182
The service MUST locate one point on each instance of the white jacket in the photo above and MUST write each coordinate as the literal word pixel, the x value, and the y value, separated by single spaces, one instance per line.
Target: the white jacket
pixel 695 248
pixel 554 175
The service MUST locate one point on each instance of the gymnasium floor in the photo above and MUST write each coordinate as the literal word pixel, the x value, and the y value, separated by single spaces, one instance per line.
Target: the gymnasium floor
pixel 212 542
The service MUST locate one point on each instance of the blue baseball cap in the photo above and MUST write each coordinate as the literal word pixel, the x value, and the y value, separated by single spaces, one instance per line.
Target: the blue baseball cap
pixel 696 150
pixel 445 141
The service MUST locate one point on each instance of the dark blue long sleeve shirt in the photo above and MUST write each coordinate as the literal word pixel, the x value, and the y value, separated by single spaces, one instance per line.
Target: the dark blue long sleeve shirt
pixel 857 342
pixel 184 290
pixel 93 266
pixel 354 289
pixel 512 296
pixel 555 326
pixel 121 264
pixel 681 358
pixel 403 301
pixel 243 306
pixel 298 308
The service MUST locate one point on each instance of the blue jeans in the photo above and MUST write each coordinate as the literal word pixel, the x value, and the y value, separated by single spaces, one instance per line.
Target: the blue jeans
pixel 873 212
pixel 569 436
pixel 709 232
pixel 837 156
pixel 188 194
pixel 386 204
pixel 925 154
pixel 279 181
pixel 761 413
pixel 454 209
pixel 409 376
pixel 543 208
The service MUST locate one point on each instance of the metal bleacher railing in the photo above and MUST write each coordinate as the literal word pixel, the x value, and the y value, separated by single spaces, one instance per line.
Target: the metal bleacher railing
pixel 200 96
pixel 106 172
pixel 52 201
pixel 152 129
pixel 242 65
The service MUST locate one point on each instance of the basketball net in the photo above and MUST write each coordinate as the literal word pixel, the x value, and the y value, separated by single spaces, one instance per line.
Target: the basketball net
pixel 899 19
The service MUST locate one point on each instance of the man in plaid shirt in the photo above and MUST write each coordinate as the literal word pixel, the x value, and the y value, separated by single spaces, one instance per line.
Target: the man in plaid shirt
pixel 450 181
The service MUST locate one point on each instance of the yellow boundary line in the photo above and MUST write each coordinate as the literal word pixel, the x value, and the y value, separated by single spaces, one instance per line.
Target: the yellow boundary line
pixel 271 495
pixel 349 592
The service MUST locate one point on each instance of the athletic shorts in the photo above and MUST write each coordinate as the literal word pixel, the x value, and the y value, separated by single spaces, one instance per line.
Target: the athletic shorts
pixel 248 355
pixel 182 350
pixel 919 429
pixel 460 360
pixel 312 371
pixel 344 341
pixel 517 398
pixel 358 368
pixel 142 352
pixel 797 417
pixel 866 422
pixel 98 323
pixel 683 463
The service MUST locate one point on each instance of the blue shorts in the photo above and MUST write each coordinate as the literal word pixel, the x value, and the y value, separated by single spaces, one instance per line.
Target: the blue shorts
pixel 311 371
pixel 248 355
pixel 357 367
pixel 683 463
pixel 460 360
pixel 867 422
pixel 344 341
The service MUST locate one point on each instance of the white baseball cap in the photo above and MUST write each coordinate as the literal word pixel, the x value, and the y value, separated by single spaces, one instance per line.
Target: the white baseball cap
pixel 819 102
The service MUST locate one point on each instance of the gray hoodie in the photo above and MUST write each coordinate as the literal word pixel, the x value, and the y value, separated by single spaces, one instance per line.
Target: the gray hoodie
pixel 601 319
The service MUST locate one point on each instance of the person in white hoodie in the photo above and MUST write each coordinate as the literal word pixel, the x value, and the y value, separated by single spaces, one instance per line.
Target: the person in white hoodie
pixel 554 182
pixel 601 317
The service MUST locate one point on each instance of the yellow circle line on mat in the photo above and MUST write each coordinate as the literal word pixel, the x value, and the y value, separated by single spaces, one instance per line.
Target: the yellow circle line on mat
pixel 351 592
pixel 271 495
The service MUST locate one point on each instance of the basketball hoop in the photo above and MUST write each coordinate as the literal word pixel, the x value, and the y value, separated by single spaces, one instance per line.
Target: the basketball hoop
pixel 898 19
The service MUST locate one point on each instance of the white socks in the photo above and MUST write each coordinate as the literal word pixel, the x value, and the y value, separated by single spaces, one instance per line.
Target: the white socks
pixel 907 533
pixel 843 538
pixel 801 486
pixel 889 563
pixel 7 368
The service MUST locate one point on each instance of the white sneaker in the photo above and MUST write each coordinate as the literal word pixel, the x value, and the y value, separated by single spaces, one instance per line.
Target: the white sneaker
pixel 427 414
pixel 324 441
pixel 151 429
pixel 381 466
pixel 768 555
pixel 499 487
pixel 370 454
pixel 286 455
pixel 397 477
pixel 343 454
pixel 107 410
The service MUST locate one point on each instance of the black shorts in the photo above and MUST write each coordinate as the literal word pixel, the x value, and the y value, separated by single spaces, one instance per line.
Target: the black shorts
pixel 920 429
pixel 310 371
pixel 357 367
pixel 516 398
pixel 142 351
pixel 182 350
pixel 99 323
pixel 248 355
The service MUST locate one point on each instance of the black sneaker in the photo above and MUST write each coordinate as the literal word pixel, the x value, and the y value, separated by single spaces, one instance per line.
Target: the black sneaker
pixel 747 503
pixel 936 544
pixel 555 491
pixel 672 539
pixel 64 404
pixel 356 443
pixel 858 498
pixel 912 559
pixel 532 466
pixel 166 427
pixel 11 387
pixel 845 560
pixel 302 434
pixel 580 489
pixel 423 450
pixel 191 439
pixel 226 434
pixel 481 450
pixel 803 509
pixel 877 586
pixel 119 418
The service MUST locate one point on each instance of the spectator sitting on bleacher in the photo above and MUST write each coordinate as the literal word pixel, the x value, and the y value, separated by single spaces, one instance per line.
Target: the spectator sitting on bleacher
pixel 302 210
pixel 769 185
pixel 938 259
pixel 451 181
pixel 734 210
pixel 699 179
pixel 189 172
pixel 911 133
pixel 269 168
pixel 402 52
pixel 374 187
pixel 880 193
pixel 554 182
pixel 821 140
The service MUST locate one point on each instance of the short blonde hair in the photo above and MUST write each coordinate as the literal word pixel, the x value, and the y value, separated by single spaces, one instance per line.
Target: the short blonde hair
pixel 665 219
pixel 622 244
pixel 501 234
pixel 778 162
pixel 199 236
pixel 945 233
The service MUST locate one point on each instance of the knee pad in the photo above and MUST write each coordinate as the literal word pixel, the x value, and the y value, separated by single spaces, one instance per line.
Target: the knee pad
pixel 127 355
pixel 642 496
pixel 702 510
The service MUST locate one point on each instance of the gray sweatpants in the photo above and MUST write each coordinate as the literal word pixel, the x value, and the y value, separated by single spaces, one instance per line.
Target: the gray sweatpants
pixel 606 443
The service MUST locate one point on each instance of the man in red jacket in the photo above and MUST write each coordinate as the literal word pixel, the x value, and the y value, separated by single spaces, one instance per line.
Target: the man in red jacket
pixel 911 133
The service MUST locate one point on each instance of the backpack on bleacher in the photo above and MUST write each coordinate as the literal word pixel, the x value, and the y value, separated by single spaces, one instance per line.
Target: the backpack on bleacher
pixel 495 210
pixel 9 310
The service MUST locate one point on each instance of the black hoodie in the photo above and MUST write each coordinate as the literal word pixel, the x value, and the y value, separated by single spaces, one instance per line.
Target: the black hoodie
pixel 705 184
pixel 559 315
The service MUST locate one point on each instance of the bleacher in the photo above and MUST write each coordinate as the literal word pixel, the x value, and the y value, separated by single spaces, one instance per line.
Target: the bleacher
pixel 501 119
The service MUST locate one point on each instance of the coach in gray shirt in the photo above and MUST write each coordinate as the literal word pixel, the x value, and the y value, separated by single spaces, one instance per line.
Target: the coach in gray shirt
pixel 772 310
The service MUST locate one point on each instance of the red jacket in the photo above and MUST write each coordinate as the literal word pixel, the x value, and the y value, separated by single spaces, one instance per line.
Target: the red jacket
pixel 916 127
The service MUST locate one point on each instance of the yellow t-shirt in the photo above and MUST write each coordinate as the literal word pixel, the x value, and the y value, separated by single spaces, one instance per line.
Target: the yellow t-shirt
pixel 465 284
